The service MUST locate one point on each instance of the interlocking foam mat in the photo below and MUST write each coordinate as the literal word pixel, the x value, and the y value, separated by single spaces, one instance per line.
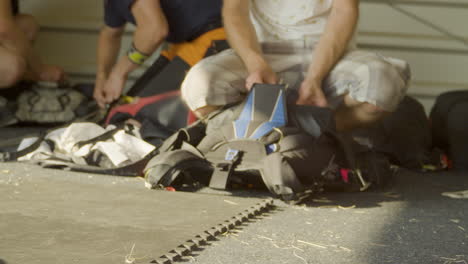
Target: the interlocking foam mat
pixel 53 216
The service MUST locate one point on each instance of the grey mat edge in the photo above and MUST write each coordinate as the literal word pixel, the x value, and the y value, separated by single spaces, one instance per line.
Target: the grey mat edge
pixel 201 240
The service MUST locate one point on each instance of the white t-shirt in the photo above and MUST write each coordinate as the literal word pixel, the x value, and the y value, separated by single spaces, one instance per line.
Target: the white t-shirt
pixel 283 20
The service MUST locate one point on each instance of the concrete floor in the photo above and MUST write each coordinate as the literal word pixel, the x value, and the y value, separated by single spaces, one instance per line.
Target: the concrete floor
pixel 410 223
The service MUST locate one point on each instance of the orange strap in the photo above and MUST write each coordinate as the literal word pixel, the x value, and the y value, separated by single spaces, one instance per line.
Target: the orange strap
pixel 195 50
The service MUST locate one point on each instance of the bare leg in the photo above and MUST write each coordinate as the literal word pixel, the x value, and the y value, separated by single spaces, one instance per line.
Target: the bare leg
pixel 12 68
pixel 203 112
pixel 30 28
pixel 353 114
pixel 36 69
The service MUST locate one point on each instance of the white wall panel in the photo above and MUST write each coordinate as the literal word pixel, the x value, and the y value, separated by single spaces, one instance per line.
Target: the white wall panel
pixel 439 62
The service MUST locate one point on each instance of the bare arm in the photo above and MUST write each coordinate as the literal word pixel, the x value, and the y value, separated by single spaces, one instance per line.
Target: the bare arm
pixel 152 29
pixel 108 49
pixel 242 37
pixel 241 33
pixel 331 47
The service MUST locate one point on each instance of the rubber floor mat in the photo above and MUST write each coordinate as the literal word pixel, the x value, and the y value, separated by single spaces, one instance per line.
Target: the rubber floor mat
pixel 53 216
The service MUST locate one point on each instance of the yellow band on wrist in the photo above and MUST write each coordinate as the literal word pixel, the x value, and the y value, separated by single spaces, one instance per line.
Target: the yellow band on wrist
pixel 136 56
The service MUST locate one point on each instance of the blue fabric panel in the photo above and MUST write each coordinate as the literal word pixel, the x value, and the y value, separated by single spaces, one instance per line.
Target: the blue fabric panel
pixel 242 123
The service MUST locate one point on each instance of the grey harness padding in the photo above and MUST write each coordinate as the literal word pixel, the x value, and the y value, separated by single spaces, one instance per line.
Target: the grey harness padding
pixel 49 105
pixel 289 149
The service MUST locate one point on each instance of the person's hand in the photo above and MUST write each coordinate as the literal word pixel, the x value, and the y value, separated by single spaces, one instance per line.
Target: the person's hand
pixel 113 87
pixel 52 73
pixel 310 93
pixel 261 75
pixel 108 90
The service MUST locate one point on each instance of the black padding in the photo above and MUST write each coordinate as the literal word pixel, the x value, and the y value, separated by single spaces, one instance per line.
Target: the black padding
pixel 457 135
pixel 13 92
pixel 142 82
pixel 405 135
pixel 154 133
pixel 439 113
pixel 409 133
pixel 161 78
pixel 170 112
pixel 312 119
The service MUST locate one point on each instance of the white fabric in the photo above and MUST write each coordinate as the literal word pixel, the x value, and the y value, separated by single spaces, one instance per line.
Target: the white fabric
pixel 42 152
pixel 122 148
pixel 279 20
pixel 133 147
pixel 66 138
pixel 113 151
pixel 456 195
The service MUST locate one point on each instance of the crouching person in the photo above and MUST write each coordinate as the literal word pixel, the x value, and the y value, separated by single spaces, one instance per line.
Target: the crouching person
pixel 192 28
pixel 271 38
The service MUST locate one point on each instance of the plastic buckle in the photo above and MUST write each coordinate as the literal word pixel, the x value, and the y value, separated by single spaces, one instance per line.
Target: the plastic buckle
pixel 223 171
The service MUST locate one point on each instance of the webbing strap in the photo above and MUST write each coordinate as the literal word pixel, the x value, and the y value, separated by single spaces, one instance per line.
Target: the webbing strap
pixel 223 171
pixel 103 137
pixel 131 170
pixel 14 155
pixel 166 167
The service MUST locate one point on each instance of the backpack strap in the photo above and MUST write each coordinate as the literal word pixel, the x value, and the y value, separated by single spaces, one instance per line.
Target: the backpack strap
pixel 192 135
pixel 103 137
pixel 8 156
pixel 130 170
pixel 165 168
pixel 223 171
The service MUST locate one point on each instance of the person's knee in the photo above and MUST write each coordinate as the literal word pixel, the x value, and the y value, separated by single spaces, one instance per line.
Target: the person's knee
pixel 14 72
pixel 387 87
pixel 358 115
pixel 373 110
pixel 204 111
pixel 195 86
pixel 197 75
pixel 388 79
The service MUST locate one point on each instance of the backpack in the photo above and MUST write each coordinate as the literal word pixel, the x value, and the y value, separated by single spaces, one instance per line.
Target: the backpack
pixel 49 104
pixel 450 128
pixel 404 136
pixel 160 115
pixel 292 150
